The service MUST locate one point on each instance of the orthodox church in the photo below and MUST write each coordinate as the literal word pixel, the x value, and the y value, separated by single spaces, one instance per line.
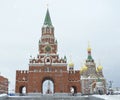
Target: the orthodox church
pixel 49 66
pixel 92 79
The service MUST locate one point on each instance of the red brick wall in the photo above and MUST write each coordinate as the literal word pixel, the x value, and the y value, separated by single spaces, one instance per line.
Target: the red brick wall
pixel 3 85
pixel 33 81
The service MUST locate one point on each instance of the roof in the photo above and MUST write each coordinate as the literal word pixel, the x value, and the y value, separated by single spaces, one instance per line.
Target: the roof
pixel 47 20
pixel 89 57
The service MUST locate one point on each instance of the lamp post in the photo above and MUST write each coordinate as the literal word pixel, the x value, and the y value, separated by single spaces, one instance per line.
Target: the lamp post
pixel 110 91
pixel 110 84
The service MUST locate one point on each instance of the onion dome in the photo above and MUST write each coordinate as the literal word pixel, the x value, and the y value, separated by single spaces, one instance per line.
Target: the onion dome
pixel 89 52
pixel 71 64
pixel 89 48
pixel 81 70
pixel 84 68
pixel 99 68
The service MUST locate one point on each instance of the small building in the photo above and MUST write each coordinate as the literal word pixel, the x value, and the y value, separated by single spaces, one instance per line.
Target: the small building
pixel 3 85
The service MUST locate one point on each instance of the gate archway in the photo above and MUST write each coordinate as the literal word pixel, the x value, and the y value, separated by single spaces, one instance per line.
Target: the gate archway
pixel 47 86
pixel 22 90
pixel 73 89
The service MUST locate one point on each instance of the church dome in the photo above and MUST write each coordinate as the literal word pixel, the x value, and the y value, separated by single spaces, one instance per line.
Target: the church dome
pixel 89 49
pixel 71 64
pixel 84 68
pixel 81 70
pixel 99 68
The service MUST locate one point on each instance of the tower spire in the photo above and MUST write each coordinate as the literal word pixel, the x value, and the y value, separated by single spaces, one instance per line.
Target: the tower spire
pixel 47 43
pixel 89 52
pixel 71 65
pixel 47 20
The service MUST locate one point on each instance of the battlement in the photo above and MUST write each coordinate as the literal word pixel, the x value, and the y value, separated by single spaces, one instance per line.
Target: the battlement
pixel 74 72
pixel 21 75
pixel 22 72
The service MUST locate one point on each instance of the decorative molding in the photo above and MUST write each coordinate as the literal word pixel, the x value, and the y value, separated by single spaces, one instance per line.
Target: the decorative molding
pixel 43 64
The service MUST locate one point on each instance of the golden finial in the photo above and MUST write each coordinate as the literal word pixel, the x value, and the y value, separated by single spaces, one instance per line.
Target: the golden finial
pixel 70 58
pixel 47 5
pixel 89 48
pixel 71 64
pixel 88 43
pixel 99 68
pixel 99 62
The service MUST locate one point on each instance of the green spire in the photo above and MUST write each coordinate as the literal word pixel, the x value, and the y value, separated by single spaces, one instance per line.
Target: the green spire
pixel 89 57
pixel 47 20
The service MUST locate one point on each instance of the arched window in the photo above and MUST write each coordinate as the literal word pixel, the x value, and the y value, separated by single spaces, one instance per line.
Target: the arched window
pixel 48 60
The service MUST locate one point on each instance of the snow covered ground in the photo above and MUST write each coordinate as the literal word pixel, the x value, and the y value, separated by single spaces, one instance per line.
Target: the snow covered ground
pixel 108 97
pixel 104 97
pixel 3 95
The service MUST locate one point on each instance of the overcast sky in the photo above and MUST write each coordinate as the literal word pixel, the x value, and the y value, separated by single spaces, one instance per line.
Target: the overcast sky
pixel 76 22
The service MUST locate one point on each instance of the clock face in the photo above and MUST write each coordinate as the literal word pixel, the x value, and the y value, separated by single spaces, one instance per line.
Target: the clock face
pixel 47 48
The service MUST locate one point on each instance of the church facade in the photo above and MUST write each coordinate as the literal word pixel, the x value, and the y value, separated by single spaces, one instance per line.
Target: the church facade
pixel 92 79
pixel 48 66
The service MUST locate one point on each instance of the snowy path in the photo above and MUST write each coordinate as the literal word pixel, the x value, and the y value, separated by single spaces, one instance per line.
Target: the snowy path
pixel 108 97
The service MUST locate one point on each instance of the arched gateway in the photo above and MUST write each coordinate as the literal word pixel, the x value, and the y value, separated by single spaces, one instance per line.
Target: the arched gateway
pixel 47 86
pixel 48 66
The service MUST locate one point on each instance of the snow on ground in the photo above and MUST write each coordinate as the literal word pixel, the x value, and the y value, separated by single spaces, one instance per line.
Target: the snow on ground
pixel 2 95
pixel 108 97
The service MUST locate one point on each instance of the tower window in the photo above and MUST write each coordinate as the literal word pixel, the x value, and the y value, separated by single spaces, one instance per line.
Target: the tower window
pixel 47 29
pixel 48 60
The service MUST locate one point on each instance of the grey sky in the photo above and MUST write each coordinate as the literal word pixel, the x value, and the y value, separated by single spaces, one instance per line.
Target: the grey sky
pixel 76 22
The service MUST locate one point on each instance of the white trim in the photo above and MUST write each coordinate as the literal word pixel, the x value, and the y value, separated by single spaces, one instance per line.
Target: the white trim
pixel 43 64
pixel 44 54
pixel 47 36
pixel 82 78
